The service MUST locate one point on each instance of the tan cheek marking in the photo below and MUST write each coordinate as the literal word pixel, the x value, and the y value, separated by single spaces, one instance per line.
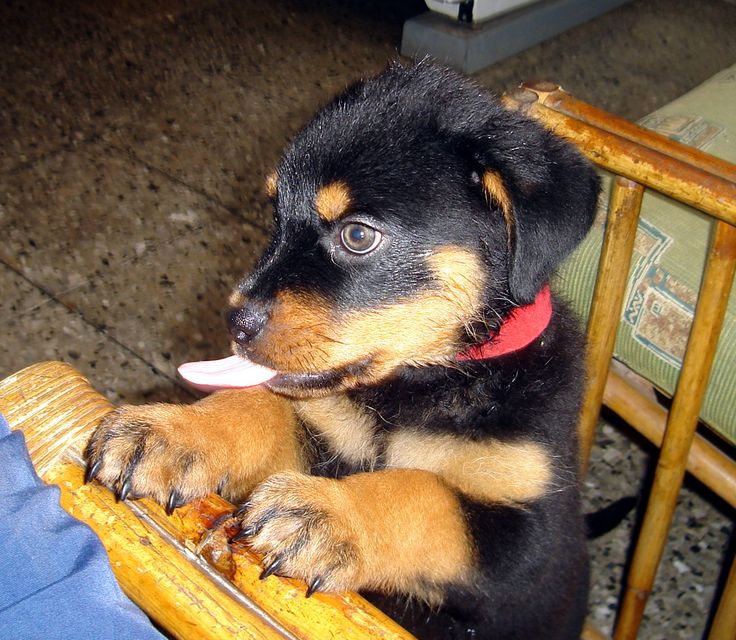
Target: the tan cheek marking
pixel 348 430
pixel 461 275
pixel 332 200
pixel 305 334
pixel 271 184
pixel 424 329
pixel 489 471
pixel 298 335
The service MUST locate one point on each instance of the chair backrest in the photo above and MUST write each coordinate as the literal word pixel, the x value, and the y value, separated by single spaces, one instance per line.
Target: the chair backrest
pixel 641 159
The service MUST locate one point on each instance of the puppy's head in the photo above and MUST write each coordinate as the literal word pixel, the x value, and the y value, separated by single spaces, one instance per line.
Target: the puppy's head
pixel 410 212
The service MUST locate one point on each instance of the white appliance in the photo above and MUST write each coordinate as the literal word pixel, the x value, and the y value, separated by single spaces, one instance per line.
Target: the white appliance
pixel 482 9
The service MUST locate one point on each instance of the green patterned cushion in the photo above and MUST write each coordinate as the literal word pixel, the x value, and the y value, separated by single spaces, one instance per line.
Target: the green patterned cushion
pixel 669 257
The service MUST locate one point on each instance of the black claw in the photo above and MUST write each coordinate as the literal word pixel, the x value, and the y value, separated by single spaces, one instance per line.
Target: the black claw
pixel 270 569
pixel 242 509
pixel 313 586
pixel 90 473
pixel 221 486
pixel 125 489
pixel 248 532
pixel 220 520
pixel 175 501
pixel 125 481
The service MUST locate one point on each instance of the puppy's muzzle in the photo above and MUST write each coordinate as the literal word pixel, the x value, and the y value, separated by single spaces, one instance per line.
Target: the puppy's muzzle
pixel 245 323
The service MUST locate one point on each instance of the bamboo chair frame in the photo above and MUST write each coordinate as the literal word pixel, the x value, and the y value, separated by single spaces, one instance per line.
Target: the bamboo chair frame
pixel 641 159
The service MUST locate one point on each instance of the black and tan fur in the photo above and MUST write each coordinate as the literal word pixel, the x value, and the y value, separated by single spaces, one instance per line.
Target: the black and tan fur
pixel 377 460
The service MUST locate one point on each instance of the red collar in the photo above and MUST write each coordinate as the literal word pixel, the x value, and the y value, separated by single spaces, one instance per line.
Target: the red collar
pixel 522 326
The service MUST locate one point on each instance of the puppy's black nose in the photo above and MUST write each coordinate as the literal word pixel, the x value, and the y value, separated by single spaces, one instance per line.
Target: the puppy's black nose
pixel 245 323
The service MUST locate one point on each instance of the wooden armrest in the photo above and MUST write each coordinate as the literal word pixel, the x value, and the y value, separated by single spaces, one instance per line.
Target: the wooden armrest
pixel 180 570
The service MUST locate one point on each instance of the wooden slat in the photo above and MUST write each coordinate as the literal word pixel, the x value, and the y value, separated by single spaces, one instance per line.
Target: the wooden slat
pixel 180 570
pixel 724 624
pixel 608 296
pixel 683 418
pixel 155 574
pixel 708 184
pixel 705 461
pixel 55 407
pixel 204 527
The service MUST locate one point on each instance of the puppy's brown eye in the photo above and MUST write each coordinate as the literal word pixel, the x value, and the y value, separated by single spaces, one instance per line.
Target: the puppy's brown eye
pixel 359 238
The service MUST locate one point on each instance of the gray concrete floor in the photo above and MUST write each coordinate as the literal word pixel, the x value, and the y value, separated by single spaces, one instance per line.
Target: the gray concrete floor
pixel 134 138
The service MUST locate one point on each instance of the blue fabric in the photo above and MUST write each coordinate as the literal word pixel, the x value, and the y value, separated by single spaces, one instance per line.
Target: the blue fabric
pixel 55 579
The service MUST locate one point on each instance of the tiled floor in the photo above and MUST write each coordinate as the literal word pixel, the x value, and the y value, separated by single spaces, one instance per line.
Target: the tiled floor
pixel 134 138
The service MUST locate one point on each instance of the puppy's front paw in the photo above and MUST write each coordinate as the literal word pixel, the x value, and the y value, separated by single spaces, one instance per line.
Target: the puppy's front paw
pixel 303 527
pixel 153 451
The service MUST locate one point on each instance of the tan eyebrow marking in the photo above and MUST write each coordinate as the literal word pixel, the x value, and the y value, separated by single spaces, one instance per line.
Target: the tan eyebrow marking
pixel 271 184
pixel 332 200
pixel 496 192
pixel 236 299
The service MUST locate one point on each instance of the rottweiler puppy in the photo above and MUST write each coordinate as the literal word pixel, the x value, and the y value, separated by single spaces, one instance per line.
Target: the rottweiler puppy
pixel 414 432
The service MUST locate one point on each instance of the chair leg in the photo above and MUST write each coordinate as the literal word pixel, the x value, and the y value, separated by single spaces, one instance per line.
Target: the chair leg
pixel 605 310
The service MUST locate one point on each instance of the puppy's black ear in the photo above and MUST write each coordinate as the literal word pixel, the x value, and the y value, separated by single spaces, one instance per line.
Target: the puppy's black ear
pixel 546 191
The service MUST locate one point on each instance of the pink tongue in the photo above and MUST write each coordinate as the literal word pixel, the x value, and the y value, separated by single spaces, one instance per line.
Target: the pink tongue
pixel 228 373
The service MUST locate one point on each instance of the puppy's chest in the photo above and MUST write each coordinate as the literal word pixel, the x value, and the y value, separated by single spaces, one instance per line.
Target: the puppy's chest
pixel 348 438
pixel 366 433
pixel 343 434
pixel 348 435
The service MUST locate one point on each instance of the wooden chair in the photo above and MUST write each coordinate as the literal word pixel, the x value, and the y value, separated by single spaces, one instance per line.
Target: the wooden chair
pixel 641 159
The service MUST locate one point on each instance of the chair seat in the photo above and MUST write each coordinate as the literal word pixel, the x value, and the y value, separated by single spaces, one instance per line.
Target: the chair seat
pixel 668 261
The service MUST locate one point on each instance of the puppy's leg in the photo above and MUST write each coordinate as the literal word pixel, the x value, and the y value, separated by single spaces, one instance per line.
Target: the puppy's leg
pixel 399 530
pixel 227 442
